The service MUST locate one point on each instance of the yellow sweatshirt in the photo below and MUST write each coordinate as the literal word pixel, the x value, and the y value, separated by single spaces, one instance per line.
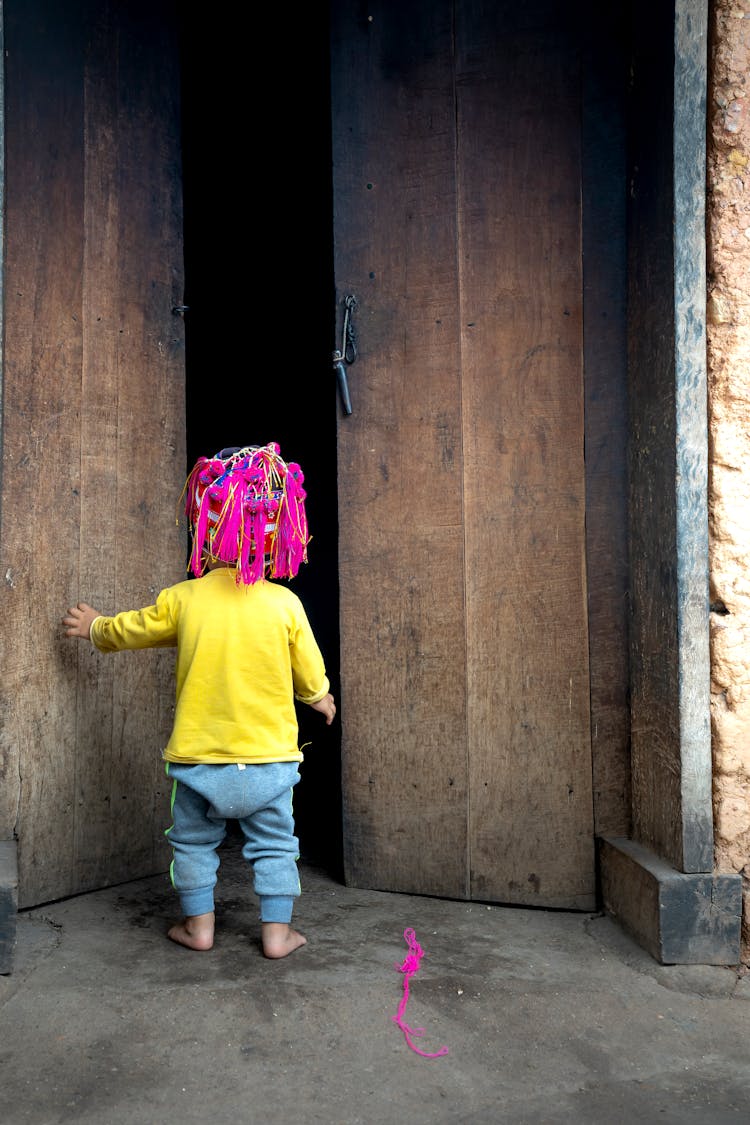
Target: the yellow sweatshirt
pixel 244 653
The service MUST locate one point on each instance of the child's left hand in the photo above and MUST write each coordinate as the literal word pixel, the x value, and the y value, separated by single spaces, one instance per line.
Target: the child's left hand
pixel 327 707
pixel 78 621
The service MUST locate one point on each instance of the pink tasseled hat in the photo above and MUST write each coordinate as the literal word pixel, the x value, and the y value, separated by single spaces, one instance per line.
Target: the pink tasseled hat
pixel 246 507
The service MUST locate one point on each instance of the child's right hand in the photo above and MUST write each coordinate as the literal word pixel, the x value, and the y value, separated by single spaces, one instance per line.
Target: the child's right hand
pixel 78 621
pixel 327 707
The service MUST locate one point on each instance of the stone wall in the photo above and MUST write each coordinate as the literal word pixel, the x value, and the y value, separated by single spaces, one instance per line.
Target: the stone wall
pixel 728 221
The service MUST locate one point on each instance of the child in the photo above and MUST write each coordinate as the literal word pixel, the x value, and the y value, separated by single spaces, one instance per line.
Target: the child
pixel 245 652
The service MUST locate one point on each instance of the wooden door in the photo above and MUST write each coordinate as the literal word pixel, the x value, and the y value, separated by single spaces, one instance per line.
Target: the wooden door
pixel 464 655
pixel 93 430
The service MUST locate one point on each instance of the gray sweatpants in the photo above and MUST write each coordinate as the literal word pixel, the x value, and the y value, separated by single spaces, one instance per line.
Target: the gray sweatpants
pixel 259 797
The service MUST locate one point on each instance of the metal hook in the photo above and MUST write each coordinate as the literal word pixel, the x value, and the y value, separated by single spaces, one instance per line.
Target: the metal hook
pixel 346 354
pixel 348 342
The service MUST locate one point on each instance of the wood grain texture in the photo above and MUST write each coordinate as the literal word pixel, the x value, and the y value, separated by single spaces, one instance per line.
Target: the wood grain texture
pixel 467 767
pixel 94 267
pixel 606 408
pixel 519 116
pixel 655 674
pixel 672 812
pixel 400 474
pixel 41 440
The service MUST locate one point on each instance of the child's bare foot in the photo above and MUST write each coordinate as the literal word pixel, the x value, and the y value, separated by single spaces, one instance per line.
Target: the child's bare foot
pixel 279 939
pixel 196 931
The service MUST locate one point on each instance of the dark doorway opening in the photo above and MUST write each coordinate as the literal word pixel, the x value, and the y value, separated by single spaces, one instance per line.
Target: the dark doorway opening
pixel 259 291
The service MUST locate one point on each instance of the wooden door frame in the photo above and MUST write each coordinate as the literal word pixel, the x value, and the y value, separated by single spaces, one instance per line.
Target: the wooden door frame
pixel 660 881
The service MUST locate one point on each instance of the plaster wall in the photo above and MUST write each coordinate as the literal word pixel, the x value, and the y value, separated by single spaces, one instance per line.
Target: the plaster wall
pixel 728 343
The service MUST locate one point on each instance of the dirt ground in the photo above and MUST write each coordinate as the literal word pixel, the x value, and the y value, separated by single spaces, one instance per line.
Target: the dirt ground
pixel 548 1017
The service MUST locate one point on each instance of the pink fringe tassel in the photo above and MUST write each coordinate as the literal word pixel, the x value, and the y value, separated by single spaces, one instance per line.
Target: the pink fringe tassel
pixel 247 508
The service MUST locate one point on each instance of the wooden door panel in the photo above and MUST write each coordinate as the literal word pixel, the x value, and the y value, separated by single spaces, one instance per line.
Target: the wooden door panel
pixel 519 175
pixel 93 430
pixel 400 476
pixel 457 178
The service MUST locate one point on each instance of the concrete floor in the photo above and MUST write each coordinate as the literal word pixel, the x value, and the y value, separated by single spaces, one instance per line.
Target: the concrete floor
pixel 549 1017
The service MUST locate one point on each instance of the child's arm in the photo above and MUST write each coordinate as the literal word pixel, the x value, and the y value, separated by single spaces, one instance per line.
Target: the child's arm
pixel 152 627
pixel 78 621
pixel 326 706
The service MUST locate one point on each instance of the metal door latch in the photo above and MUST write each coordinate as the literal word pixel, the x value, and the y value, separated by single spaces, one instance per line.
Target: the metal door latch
pixel 346 354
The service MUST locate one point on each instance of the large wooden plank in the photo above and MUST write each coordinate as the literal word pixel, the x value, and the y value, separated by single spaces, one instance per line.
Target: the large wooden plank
pixel 94 365
pixel 518 112
pixel 606 413
pixel 133 383
pixel 41 438
pixel 400 469
pixel 670 700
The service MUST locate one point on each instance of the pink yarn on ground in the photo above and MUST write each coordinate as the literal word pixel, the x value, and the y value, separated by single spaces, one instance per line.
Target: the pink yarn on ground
pixel 409 967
